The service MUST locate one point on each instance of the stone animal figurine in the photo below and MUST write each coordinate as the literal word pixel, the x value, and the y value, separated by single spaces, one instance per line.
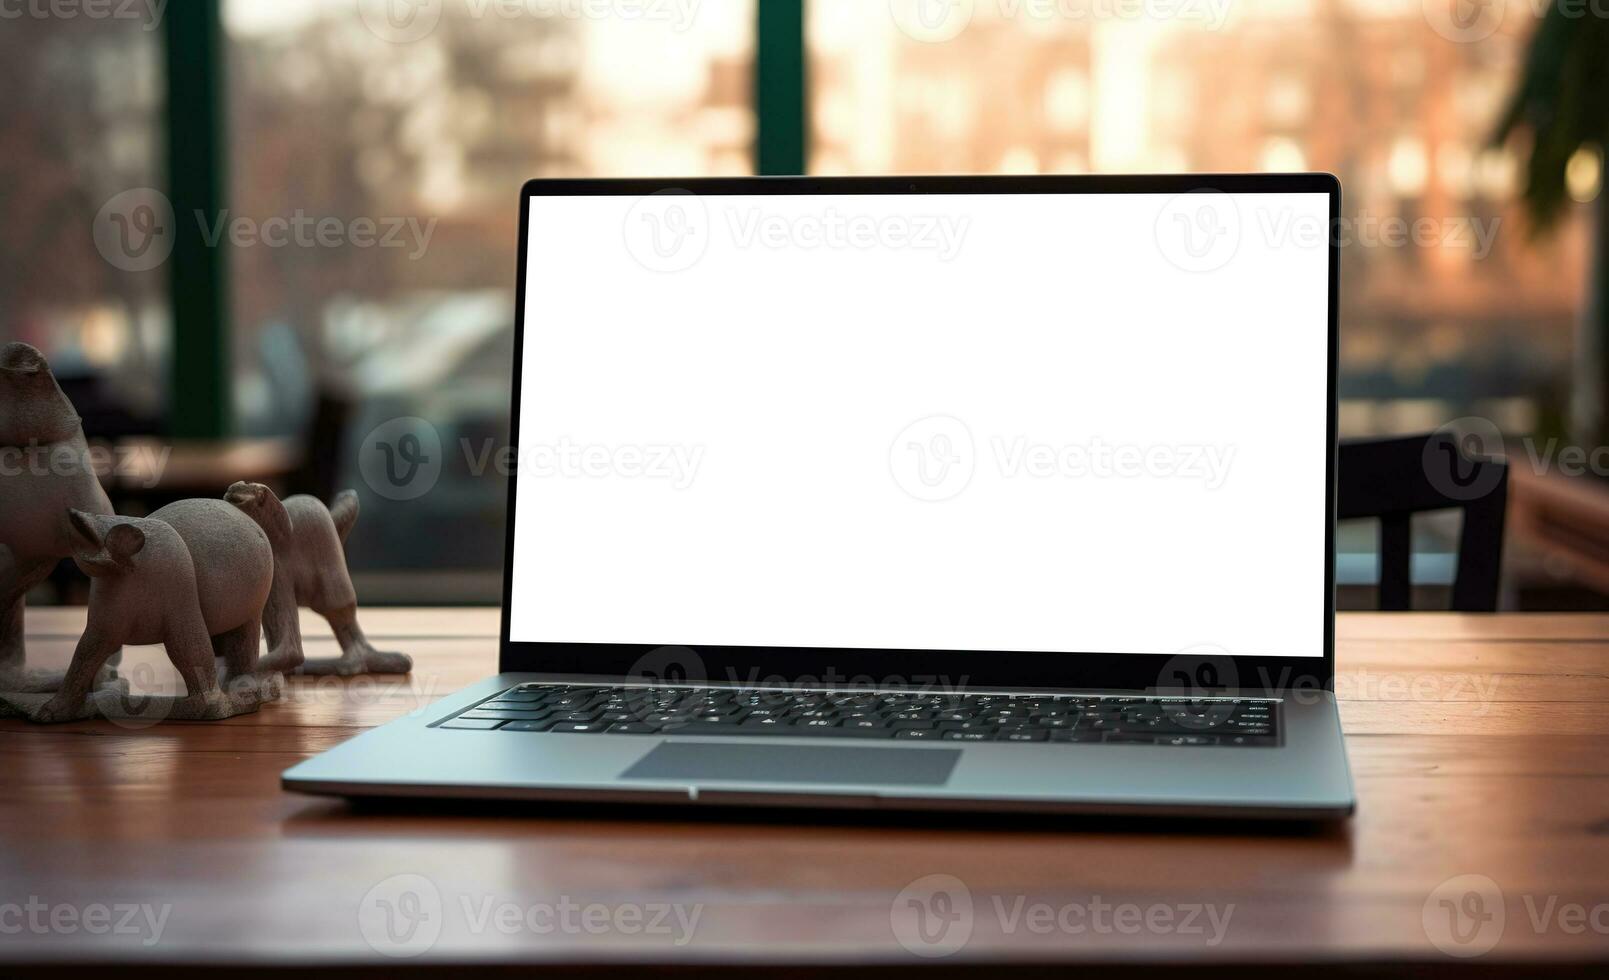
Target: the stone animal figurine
pixel 195 577
pixel 310 561
pixel 46 472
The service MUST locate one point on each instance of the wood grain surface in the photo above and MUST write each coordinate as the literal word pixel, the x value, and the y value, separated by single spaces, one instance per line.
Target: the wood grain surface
pixel 1477 743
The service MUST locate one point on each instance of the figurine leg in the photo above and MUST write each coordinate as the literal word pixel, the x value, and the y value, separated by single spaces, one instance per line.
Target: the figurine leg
pixel 358 656
pixel 12 655
pixel 238 650
pixel 283 628
pixel 191 653
pixel 14 673
pixel 15 581
pixel 95 647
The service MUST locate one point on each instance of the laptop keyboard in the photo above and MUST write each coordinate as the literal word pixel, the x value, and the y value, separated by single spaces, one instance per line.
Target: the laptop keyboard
pixel 1051 719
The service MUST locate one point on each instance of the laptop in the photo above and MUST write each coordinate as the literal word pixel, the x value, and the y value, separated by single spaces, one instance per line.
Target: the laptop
pixel 939 493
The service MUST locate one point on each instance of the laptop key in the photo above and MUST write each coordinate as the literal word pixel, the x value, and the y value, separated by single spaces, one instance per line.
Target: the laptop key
pixel 472 724
pixel 1074 735
pixel 832 732
pixel 1025 735
pixel 527 726
pixel 633 728
pixel 578 728
pixel 931 734
pixel 480 714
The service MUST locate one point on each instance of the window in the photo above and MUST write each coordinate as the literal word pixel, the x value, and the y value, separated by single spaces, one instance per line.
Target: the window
pixel 1450 308
pixel 425 132
pixel 81 138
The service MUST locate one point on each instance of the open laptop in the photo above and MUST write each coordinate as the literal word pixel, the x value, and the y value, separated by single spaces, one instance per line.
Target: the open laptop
pixel 1005 493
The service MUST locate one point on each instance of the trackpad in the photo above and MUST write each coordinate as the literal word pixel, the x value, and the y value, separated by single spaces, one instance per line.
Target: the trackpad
pixel 859 765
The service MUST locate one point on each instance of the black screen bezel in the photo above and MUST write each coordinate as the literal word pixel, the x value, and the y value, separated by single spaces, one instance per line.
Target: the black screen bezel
pixel 993 669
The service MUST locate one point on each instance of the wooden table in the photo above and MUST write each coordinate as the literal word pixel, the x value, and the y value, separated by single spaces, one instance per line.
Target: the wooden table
pixel 1477 744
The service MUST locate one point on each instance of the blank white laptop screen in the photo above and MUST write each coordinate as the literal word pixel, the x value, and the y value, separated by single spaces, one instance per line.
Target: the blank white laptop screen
pixel 1058 423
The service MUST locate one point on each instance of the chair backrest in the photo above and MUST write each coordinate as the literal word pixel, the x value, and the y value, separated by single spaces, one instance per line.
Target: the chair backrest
pixel 1393 479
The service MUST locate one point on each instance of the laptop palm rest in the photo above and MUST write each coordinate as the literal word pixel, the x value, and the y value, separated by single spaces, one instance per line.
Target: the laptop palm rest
pixel 847 765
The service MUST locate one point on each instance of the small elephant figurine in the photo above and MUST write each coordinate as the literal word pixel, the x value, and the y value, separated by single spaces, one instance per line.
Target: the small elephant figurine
pixel 309 543
pixel 47 473
pixel 195 577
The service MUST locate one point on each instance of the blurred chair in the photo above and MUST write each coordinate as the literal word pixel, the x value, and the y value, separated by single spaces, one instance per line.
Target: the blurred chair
pixel 1393 479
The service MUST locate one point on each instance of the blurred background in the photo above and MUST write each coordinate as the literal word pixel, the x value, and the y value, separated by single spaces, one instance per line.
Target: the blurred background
pixel 1468 280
